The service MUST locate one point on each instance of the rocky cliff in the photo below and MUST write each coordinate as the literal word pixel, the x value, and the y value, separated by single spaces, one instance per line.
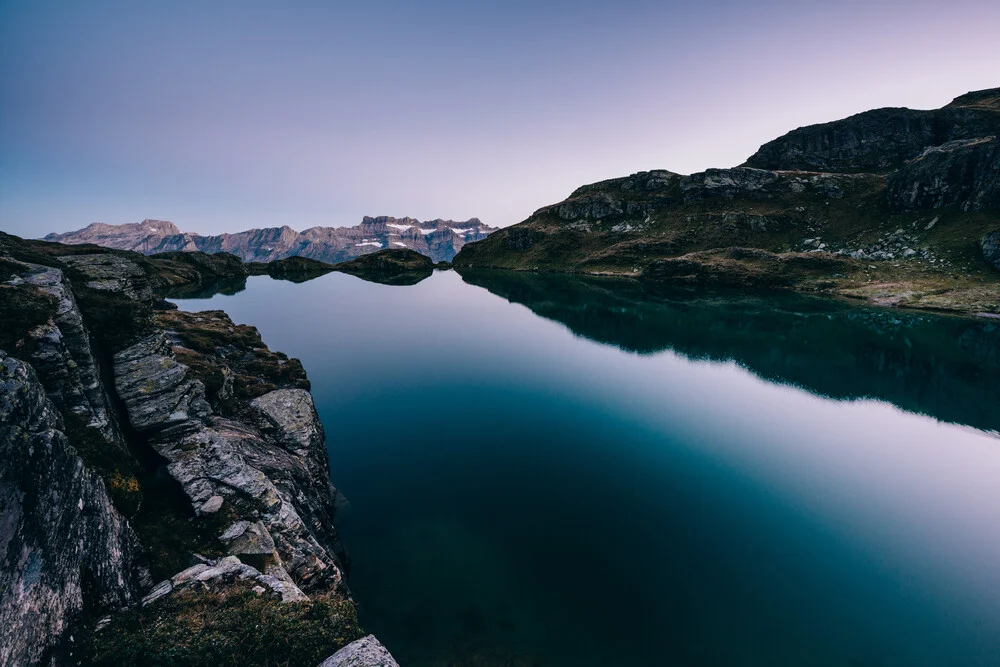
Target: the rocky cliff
pixel 896 206
pixel 438 239
pixel 164 483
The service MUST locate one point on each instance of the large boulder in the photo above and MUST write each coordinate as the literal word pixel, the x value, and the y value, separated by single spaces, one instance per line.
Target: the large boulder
pixel 365 652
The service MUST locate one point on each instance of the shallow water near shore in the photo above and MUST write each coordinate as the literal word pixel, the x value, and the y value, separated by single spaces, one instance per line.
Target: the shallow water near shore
pixel 558 471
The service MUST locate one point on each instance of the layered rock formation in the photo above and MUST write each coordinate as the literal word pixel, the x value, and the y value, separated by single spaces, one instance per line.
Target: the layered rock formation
pixel 64 547
pixel 438 239
pixel 901 203
pixel 139 443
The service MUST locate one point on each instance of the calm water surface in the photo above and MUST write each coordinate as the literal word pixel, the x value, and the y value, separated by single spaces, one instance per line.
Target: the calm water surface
pixel 553 471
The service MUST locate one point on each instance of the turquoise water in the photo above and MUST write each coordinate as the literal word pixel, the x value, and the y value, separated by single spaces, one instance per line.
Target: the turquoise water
pixel 554 471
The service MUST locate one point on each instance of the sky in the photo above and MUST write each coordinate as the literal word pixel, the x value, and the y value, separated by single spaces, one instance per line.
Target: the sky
pixel 227 116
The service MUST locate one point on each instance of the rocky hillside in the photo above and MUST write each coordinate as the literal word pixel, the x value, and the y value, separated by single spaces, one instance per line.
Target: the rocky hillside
pixel 895 206
pixel 165 491
pixel 438 239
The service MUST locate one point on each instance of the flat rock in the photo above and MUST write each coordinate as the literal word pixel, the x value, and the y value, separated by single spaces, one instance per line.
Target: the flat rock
pixel 364 652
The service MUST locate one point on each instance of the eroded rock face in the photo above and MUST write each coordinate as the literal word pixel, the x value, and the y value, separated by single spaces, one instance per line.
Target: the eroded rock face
pixel 252 463
pixel 61 539
pixel 962 171
pixel 269 473
pixel 879 140
pixel 155 388
pixel 364 652
pixel 60 352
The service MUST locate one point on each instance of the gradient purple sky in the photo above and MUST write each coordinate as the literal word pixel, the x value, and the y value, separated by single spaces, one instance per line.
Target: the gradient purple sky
pixel 222 117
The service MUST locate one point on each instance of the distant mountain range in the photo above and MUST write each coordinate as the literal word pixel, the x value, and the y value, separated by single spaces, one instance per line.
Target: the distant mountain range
pixel 438 239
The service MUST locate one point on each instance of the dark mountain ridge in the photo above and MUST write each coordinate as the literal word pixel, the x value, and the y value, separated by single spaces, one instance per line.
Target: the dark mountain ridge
pixel 895 206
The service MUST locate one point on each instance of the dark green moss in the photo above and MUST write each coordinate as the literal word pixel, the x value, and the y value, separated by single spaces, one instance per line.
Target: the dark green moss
pixel 223 629
pixel 23 308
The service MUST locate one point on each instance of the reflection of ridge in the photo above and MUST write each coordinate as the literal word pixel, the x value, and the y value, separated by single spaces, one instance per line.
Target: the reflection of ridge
pixel 225 286
pixel 945 367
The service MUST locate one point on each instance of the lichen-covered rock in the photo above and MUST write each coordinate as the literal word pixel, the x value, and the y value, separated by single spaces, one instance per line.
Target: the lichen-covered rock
pixel 61 539
pixel 292 416
pixel 155 387
pixel 108 272
pixel 60 351
pixel 271 473
pixel 364 652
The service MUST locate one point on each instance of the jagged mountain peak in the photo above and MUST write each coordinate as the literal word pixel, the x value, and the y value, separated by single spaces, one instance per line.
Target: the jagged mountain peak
pixel 438 239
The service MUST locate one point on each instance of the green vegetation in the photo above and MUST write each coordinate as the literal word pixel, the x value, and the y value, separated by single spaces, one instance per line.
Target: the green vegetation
pixel 23 308
pixel 225 629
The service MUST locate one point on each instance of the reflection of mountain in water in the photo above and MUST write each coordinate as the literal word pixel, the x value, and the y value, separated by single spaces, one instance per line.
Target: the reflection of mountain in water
pixel 946 367
pixel 208 289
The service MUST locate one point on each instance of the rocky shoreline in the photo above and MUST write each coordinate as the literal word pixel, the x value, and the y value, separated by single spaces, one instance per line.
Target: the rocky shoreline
pixel 165 483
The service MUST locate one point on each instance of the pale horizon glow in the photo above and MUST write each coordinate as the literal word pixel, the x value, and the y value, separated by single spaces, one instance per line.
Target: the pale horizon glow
pixel 224 118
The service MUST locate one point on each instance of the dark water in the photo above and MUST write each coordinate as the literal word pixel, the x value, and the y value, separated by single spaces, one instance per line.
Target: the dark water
pixel 593 474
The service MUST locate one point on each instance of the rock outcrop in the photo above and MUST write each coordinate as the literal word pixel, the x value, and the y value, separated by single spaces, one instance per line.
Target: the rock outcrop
pixel 136 440
pixel 251 474
pixel 880 140
pixel 964 172
pixel 60 351
pixel 65 548
pixel 225 572
pixel 364 652
pixel 438 239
